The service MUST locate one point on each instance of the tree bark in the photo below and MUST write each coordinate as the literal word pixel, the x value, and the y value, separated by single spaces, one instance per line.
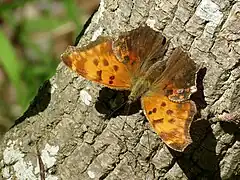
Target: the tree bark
pixel 66 127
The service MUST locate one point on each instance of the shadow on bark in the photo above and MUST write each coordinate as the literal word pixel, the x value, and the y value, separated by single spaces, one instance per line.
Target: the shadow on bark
pixel 231 128
pixel 198 97
pixel 113 103
pixel 39 103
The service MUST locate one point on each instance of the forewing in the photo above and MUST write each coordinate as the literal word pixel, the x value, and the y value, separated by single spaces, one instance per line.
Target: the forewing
pixel 97 62
pixel 170 120
pixel 140 49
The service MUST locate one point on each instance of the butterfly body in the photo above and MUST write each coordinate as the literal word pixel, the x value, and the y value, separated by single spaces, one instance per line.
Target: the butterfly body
pixel 139 88
pixel 134 61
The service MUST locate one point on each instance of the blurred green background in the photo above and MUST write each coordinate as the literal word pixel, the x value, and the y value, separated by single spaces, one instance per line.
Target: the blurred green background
pixel 33 34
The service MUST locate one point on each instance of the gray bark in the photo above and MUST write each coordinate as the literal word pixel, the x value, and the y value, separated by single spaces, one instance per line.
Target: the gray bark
pixel 75 141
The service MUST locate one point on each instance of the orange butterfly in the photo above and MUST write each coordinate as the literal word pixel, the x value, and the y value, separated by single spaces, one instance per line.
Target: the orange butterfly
pixel 134 61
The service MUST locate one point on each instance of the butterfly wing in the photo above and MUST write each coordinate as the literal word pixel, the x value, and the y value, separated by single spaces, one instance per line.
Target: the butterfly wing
pixel 116 63
pixel 169 111
pixel 97 62
pixel 178 78
pixel 169 119
pixel 140 48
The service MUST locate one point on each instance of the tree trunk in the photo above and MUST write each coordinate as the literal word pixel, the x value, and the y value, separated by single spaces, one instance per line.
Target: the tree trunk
pixel 66 120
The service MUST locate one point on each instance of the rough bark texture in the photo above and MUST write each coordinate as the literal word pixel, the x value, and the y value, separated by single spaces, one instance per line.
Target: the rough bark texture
pixel 74 139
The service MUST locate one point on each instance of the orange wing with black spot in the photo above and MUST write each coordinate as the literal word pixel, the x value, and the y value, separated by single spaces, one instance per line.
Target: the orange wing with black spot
pixel 169 119
pixel 98 63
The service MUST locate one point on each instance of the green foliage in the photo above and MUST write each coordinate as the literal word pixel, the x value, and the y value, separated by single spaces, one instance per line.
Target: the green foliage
pixel 73 11
pixel 5 6
pixel 26 75
pixel 10 64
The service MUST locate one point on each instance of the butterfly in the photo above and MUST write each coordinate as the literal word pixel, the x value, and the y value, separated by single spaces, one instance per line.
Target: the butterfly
pixel 135 61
